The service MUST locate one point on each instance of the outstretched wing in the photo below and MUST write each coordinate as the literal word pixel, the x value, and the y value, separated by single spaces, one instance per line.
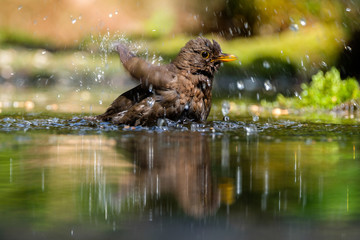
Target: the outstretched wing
pixel 152 79
pixel 124 102
pixel 149 75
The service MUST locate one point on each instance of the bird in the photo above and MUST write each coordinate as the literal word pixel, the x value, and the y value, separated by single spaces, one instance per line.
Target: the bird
pixel 179 91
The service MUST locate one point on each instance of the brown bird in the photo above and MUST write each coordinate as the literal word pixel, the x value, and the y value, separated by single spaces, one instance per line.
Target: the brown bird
pixel 178 91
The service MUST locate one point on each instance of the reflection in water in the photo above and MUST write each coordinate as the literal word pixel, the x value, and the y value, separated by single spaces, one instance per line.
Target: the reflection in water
pixel 177 164
pixel 136 177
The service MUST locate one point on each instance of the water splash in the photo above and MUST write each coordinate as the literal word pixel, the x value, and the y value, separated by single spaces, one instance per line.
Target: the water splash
pixel 240 85
pixel 266 64
pixel 268 86
pixel 150 101
pixel 294 27
pixel 225 108
pixel 303 22
pixel 251 129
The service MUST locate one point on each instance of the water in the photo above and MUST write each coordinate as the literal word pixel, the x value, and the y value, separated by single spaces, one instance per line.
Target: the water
pixel 64 177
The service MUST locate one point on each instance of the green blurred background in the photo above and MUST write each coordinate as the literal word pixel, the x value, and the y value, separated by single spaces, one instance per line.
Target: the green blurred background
pixel 51 44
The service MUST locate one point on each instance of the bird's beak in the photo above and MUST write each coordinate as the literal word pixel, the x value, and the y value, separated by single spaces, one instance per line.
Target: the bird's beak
pixel 226 58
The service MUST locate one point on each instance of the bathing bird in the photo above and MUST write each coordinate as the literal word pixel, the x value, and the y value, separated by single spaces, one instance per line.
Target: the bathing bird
pixel 179 91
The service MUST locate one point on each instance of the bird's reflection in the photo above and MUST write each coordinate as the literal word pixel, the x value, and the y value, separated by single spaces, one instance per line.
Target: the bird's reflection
pixel 173 163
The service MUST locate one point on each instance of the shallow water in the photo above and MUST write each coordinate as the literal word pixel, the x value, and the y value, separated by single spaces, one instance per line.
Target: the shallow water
pixel 64 177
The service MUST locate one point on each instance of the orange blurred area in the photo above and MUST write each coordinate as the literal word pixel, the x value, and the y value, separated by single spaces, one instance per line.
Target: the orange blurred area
pixel 66 22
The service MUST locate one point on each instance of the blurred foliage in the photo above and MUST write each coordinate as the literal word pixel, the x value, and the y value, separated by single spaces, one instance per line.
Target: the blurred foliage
pixel 258 17
pixel 67 22
pixel 303 35
pixel 325 91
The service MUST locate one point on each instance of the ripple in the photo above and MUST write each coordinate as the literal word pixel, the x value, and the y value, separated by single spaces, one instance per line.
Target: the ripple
pixel 79 125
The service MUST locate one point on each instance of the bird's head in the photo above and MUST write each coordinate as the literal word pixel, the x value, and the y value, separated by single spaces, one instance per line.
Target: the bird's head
pixel 201 56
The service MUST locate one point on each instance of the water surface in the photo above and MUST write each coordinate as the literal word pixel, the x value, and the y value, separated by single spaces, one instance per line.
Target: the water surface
pixel 279 179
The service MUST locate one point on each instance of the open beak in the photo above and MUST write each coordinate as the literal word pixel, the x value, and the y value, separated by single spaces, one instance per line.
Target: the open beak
pixel 226 58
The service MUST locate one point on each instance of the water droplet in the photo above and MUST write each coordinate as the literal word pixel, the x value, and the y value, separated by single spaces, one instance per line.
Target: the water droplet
pixel 255 118
pixel 43 52
pixel 240 85
pixel 266 64
pixel 226 118
pixel 150 88
pixel 100 102
pixel 58 95
pixel 246 25
pixel 73 21
pixel 348 9
pixel 258 96
pixel 110 15
pixel 225 108
pixel 303 22
pixel 323 63
pixel 348 48
pixel 251 129
pixel 161 122
pixel 116 12
pixel 20 7
pixel 268 86
pixel 294 27
pixel 186 107
pixel 150 101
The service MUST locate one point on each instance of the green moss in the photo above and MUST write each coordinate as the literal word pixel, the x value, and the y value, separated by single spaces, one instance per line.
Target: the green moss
pixel 326 90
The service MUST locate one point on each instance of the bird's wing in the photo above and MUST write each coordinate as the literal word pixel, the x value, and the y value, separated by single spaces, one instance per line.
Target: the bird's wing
pixel 124 102
pixel 149 75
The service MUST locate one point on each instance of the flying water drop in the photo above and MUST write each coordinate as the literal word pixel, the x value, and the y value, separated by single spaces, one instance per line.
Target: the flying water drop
pixel 303 22
pixel 348 48
pixel 240 85
pixel 225 108
pixel 151 101
pixel 294 27
pixel 268 86
pixel 266 64
pixel 186 107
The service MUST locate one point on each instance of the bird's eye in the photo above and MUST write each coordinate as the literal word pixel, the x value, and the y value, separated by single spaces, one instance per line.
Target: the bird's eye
pixel 205 54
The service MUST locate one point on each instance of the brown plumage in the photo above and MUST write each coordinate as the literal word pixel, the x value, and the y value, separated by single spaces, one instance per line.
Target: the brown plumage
pixel 178 91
